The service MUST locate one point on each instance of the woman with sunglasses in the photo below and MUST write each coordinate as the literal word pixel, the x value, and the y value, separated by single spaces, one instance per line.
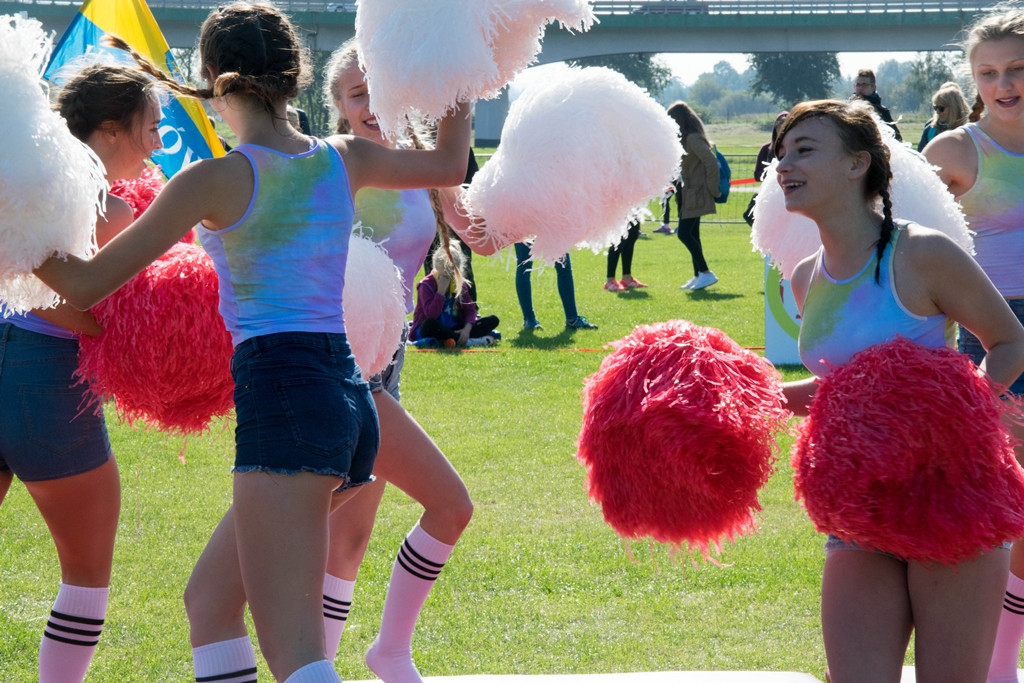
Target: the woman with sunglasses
pixel 951 111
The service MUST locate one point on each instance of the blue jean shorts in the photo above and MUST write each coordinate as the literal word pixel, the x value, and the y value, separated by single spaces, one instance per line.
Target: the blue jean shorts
pixel 833 543
pixel 967 343
pixel 48 429
pixel 389 379
pixel 302 406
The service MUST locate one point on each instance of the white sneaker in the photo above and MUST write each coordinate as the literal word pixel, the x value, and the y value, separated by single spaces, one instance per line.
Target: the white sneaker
pixel 690 283
pixel 705 279
pixel 480 341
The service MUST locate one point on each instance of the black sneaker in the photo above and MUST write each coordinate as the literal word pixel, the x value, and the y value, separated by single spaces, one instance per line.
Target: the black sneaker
pixel 580 323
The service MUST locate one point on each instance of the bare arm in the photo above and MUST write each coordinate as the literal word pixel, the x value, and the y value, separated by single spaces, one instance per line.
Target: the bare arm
pixel 471 231
pixel 373 165
pixel 953 152
pixel 194 194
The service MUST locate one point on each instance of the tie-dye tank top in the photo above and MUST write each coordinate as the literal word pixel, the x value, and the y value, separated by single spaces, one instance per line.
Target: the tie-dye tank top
pixel 282 266
pixel 403 223
pixel 994 207
pixel 842 317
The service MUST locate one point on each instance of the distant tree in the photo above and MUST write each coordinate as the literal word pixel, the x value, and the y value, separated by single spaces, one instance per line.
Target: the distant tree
pixel 311 99
pixel 727 77
pixel 674 91
pixel 928 72
pixel 791 77
pixel 639 67
pixel 740 103
pixel 706 90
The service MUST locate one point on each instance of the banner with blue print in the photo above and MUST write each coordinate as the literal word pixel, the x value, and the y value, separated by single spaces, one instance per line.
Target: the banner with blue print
pixel 185 130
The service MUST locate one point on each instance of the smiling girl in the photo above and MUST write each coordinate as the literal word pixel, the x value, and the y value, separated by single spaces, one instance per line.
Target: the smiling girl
pixel 876 277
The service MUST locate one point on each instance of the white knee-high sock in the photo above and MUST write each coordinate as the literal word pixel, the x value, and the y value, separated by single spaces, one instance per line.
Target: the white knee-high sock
pixel 71 633
pixel 1006 654
pixel 228 661
pixel 337 602
pixel 419 561
pixel 317 672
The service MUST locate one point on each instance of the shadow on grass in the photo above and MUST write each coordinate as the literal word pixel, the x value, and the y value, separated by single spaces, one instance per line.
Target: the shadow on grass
pixel 565 339
pixel 712 295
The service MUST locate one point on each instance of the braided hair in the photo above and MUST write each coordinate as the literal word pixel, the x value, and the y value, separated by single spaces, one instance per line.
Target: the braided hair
pixel 100 94
pixel 244 49
pixel 858 132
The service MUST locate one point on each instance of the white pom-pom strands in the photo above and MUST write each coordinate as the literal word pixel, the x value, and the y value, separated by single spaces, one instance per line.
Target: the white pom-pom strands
pixel 579 154
pixel 422 58
pixel 374 303
pixel 51 184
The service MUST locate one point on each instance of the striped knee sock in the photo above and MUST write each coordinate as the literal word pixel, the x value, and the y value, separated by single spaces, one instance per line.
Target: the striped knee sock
pixel 1006 654
pixel 420 559
pixel 71 633
pixel 227 661
pixel 337 602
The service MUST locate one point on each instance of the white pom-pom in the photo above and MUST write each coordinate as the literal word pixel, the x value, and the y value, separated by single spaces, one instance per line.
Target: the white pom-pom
pixel 580 153
pixel 918 195
pixel 374 304
pixel 51 184
pixel 421 58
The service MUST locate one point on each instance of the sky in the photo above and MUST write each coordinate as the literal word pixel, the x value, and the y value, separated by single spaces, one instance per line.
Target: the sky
pixel 689 67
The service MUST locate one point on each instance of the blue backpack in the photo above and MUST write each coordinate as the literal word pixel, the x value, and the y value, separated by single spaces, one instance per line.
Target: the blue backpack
pixel 724 176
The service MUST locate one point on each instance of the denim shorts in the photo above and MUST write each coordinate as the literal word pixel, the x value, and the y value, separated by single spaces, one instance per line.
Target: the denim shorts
pixel 833 543
pixel 389 379
pixel 967 343
pixel 302 406
pixel 48 429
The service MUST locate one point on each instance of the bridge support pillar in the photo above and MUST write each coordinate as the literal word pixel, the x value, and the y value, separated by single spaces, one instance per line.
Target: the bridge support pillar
pixel 490 118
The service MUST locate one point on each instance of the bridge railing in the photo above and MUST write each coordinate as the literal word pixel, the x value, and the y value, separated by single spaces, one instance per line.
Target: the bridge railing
pixel 647 6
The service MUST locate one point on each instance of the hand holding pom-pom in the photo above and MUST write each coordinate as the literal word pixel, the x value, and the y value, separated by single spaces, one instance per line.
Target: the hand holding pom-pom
pixel 905 451
pixel 678 435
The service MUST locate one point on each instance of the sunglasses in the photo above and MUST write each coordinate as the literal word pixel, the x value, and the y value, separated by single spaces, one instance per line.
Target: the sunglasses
pixel 939 108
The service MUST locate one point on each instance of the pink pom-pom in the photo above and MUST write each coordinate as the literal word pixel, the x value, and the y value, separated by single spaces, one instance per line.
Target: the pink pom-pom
pixel 140 192
pixel 374 305
pixel 164 354
pixel 905 451
pixel 678 435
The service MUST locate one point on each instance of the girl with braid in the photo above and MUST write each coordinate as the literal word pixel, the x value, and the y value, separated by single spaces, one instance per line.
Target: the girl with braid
pixel 874 278
pixel 404 222
pixel 982 164
pixel 276 215
pixel 60 452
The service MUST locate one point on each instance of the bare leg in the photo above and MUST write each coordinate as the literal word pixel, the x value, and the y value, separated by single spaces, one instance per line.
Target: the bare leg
pixel 282 536
pixel 956 610
pixel 865 616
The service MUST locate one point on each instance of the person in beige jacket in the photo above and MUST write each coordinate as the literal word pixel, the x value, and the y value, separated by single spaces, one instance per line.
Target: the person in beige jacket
pixel 700 187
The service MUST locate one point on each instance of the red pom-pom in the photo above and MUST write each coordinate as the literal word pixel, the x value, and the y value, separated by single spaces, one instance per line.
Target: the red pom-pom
pixel 905 451
pixel 678 435
pixel 164 354
pixel 140 192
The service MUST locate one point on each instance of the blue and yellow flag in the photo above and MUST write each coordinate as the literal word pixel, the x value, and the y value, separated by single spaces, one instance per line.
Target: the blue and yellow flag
pixel 185 131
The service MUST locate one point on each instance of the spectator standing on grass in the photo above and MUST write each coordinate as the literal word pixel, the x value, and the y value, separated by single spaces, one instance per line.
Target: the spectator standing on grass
pixel 566 291
pixel 696 198
pixel 864 89
pixel 950 112
pixel 624 249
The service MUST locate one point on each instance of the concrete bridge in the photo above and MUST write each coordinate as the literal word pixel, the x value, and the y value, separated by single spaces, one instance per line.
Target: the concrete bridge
pixel 680 26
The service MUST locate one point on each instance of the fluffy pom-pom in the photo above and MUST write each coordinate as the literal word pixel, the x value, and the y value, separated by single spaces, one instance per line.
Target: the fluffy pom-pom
pixel 918 195
pixel 586 133
pixel 421 58
pixel 51 184
pixel 164 354
pixel 374 305
pixel 140 192
pixel 678 435
pixel 905 451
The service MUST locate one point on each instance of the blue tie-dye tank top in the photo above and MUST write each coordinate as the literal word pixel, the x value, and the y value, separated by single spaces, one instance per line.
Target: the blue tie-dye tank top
pixel 282 266
pixel 843 317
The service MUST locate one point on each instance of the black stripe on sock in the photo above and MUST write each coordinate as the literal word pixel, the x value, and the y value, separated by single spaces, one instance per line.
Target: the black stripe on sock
pixel 70 641
pixel 414 572
pixel 1014 600
pixel 75 631
pixel 339 613
pixel 71 617
pixel 233 674
pixel 423 560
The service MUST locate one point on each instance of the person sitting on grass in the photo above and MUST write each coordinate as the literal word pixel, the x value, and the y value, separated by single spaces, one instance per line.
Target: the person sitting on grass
pixel 445 311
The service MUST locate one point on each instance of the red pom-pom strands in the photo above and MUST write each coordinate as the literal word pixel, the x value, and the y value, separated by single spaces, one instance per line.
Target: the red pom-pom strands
pixel 678 436
pixel 905 450
pixel 164 354
pixel 139 192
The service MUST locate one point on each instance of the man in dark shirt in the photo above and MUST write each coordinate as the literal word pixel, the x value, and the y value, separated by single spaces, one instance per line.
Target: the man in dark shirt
pixel 864 89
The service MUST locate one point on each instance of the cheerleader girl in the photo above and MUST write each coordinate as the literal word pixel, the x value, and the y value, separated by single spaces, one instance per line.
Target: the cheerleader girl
pixel 276 215
pixel 875 278
pixel 405 223
pixel 982 164
pixel 60 452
